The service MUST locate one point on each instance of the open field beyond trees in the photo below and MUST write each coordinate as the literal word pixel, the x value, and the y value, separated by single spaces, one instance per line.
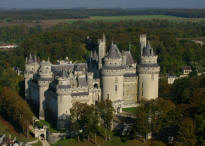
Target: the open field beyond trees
pixel 53 22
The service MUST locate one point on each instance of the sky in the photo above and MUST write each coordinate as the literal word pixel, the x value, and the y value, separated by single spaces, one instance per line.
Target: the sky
pixel 102 3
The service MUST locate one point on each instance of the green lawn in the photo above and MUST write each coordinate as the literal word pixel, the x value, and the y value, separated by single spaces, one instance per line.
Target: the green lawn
pixel 115 141
pixel 41 123
pixel 129 110
pixel 136 18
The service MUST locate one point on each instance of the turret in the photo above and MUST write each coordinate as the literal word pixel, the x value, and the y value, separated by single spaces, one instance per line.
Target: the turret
pixel 63 100
pixel 143 42
pixel 148 71
pixel 112 75
pixel 31 67
pixel 101 51
pixel 46 77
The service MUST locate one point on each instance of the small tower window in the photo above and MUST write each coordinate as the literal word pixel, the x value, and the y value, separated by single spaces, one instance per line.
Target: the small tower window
pixel 115 88
pixel 142 84
pixel 108 96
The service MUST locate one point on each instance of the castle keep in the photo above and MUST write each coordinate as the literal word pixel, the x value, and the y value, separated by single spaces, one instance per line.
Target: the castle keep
pixel 53 88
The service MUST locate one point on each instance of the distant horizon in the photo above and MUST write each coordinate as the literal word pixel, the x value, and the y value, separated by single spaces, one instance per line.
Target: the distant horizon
pixel 5 8
pixel 102 4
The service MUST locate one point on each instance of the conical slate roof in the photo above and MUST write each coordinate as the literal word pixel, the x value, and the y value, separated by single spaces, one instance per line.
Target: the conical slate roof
pixel 63 73
pixel 30 59
pixel 129 58
pixel 148 50
pixel 95 56
pixel 114 52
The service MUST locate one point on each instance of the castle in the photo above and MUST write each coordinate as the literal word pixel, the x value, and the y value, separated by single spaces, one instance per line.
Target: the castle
pixel 53 88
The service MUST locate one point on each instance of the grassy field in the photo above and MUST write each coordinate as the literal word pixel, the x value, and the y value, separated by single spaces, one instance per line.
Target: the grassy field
pixel 115 141
pixel 129 110
pixel 49 23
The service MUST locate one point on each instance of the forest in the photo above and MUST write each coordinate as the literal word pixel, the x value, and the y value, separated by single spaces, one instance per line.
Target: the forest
pixel 77 40
pixel 45 14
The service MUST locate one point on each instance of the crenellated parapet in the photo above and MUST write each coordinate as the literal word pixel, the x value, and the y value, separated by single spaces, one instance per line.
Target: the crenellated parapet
pixel 113 71
pixel 148 69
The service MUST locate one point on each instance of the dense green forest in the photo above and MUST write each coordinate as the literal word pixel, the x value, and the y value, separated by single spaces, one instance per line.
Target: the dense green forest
pixel 43 14
pixel 78 39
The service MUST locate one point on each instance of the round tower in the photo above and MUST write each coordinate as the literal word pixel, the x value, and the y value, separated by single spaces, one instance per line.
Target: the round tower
pixel 148 71
pixel 63 100
pixel 45 78
pixel 112 75
pixel 31 67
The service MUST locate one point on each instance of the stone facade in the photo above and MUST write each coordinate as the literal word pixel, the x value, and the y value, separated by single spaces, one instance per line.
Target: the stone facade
pixel 54 88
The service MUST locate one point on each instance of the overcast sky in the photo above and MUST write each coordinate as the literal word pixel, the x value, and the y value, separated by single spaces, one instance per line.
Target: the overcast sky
pixel 102 3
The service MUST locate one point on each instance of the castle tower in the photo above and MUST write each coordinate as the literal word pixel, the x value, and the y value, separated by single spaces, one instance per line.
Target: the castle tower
pixel 31 67
pixel 148 71
pixel 46 77
pixel 63 100
pixel 112 75
pixel 143 42
pixel 101 50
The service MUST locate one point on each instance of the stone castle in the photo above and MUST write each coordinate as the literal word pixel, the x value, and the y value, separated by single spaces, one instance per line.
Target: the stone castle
pixel 53 88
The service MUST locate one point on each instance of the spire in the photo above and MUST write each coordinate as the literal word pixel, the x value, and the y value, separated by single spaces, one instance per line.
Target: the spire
pixel 104 38
pixel 114 52
pixel 35 58
pixel 63 73
pixel 95 55
pixel 30 60
pixel 48 59
pixel 148 50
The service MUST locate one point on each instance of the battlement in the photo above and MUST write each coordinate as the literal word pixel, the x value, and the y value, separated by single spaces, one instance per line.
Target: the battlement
pixel 63 91
pixel 149 69
pixel 113 71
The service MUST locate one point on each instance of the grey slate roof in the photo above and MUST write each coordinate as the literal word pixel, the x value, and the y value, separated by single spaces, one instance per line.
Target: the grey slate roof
pixel 114 52
pixel 64 86
pixel 130 75
pixel 148 50
pixel 129 59
pixel 95 56
pixel 63 73
pixel 56 69
pixel 79 94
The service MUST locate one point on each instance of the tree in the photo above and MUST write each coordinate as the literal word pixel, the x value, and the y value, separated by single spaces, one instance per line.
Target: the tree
pixel 84 117
pixel 186 133
pixel 142 125
pixel 14 109
pixel 106 113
